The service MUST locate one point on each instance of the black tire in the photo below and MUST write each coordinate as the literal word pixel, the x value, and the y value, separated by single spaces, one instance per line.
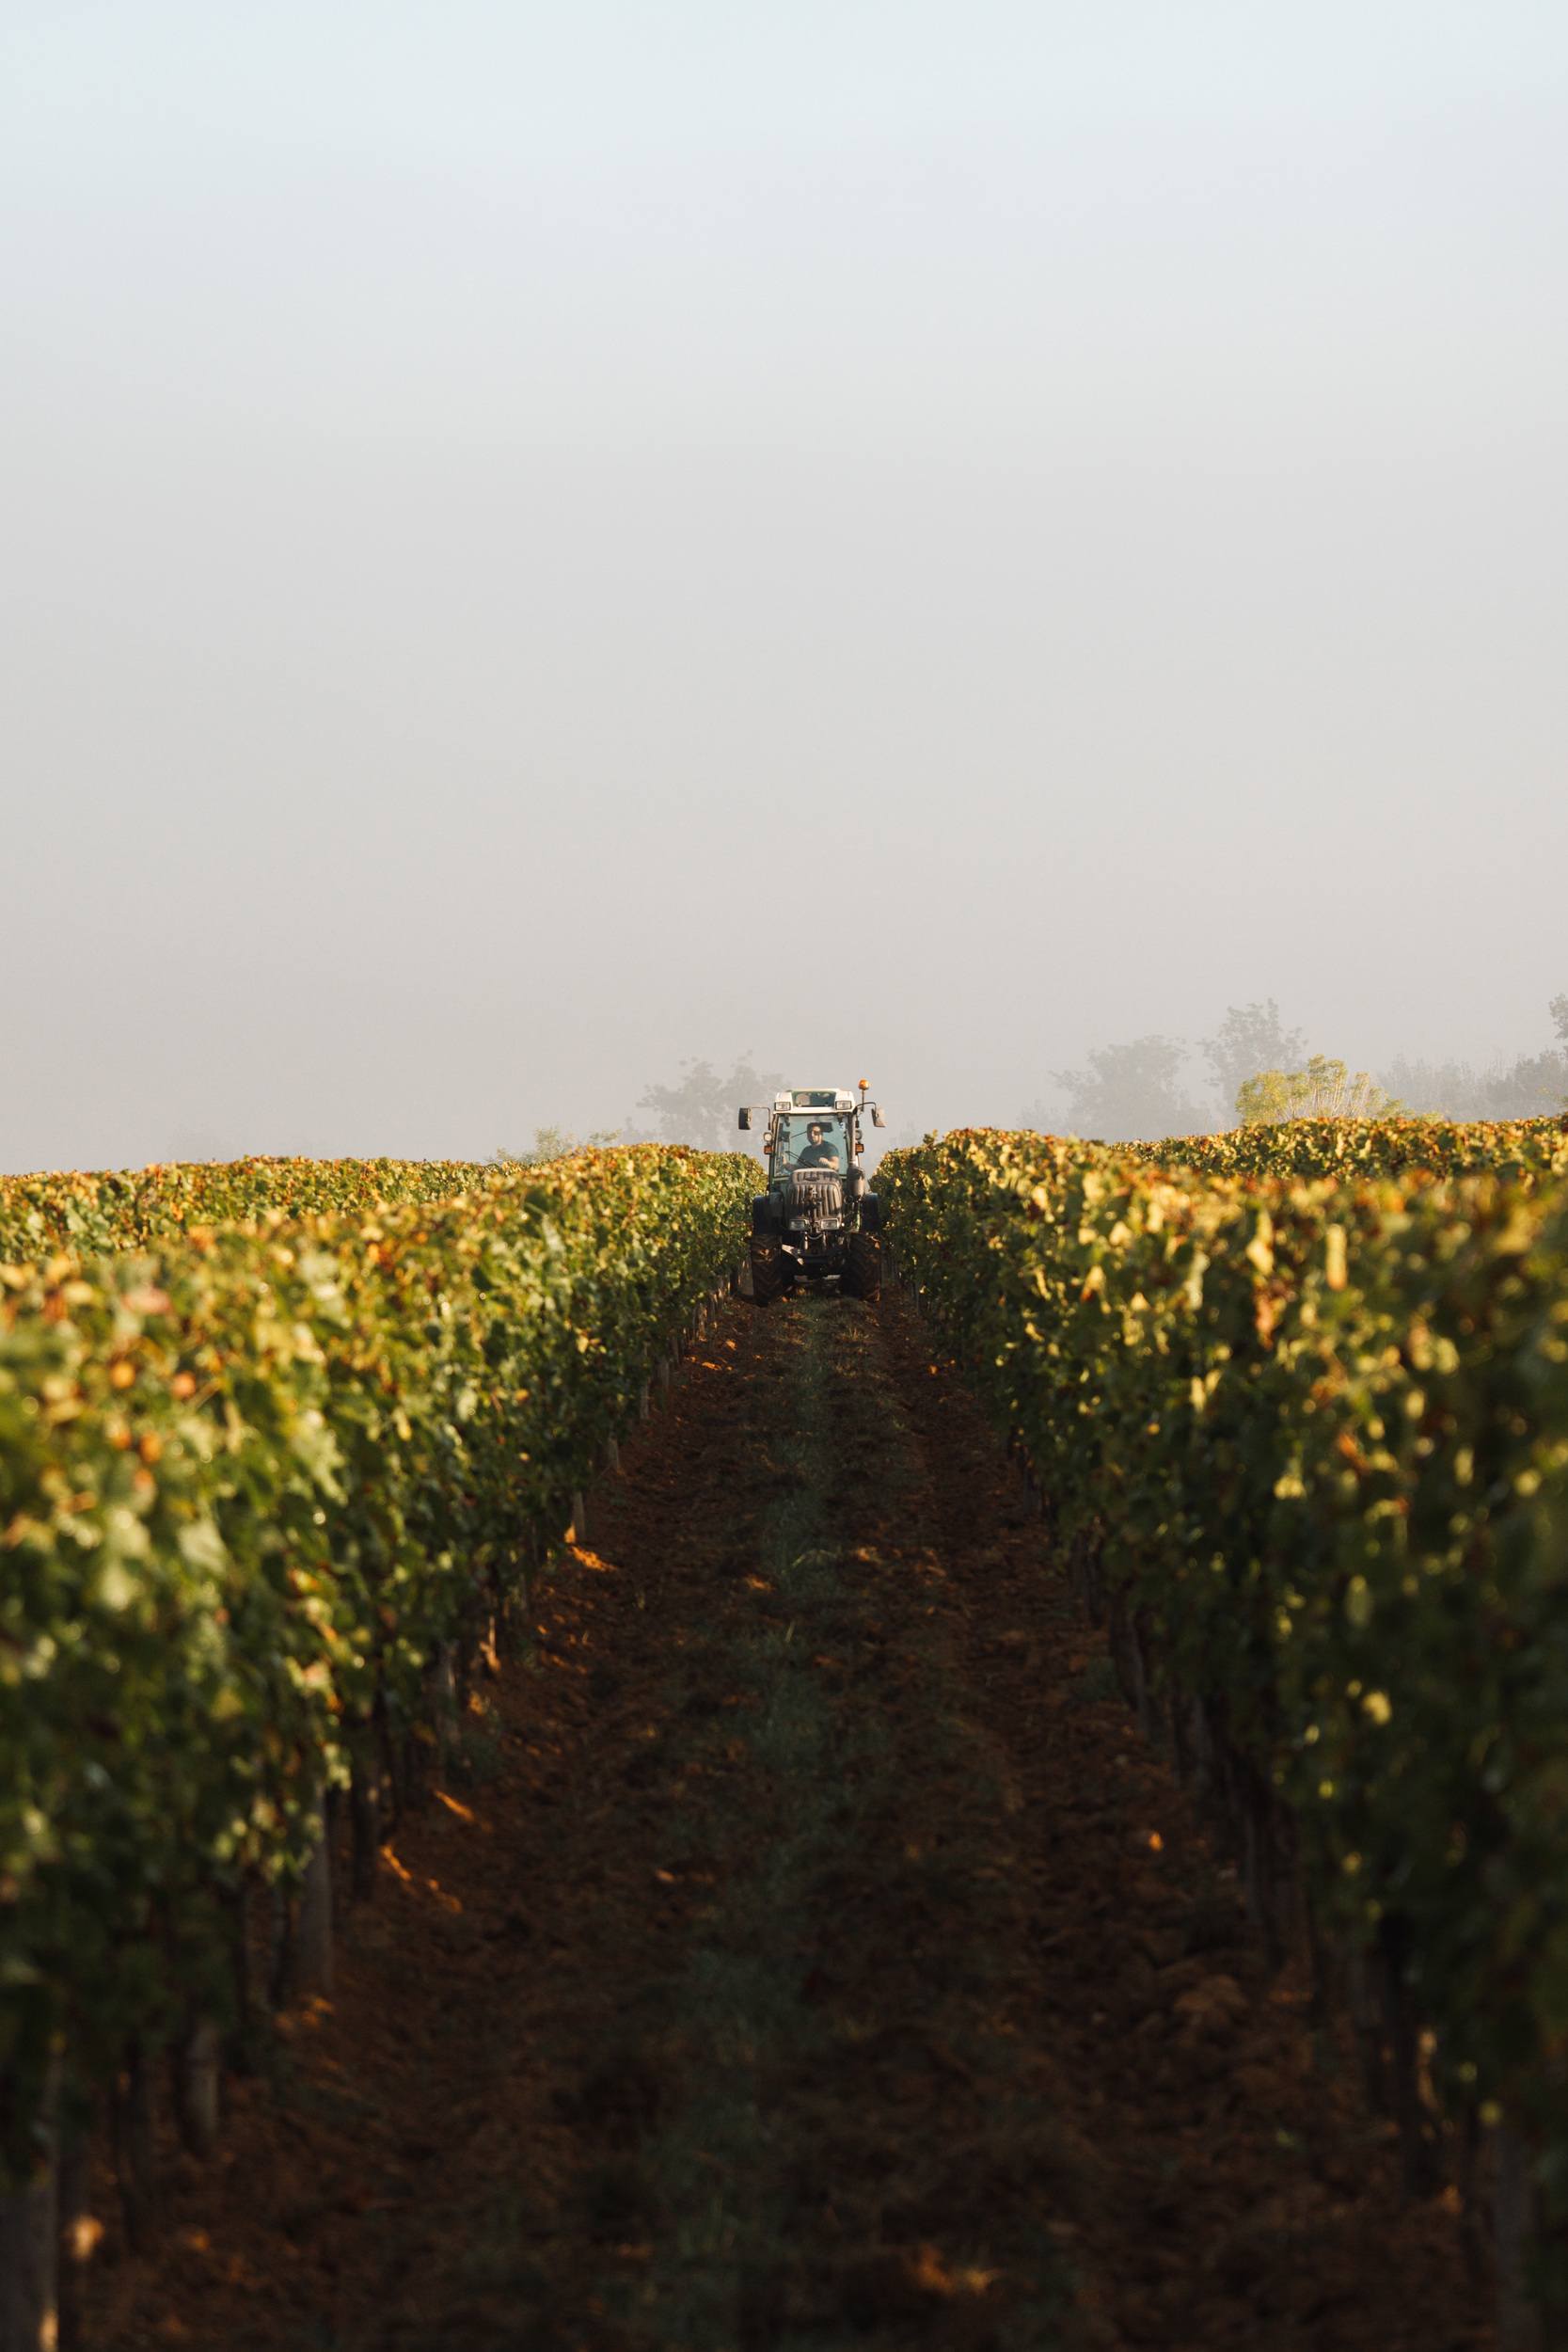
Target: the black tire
pixel 767 1270
pixel 863 1267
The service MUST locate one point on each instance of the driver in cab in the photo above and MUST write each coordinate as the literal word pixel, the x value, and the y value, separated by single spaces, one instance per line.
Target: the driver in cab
pixel 818 1151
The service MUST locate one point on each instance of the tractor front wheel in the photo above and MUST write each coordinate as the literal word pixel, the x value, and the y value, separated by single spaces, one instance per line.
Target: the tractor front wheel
pixel 767 1278
pixel 862 1270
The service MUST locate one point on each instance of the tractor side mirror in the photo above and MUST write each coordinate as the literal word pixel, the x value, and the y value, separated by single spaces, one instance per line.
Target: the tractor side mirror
pixel 877 1118
pixel 745 1121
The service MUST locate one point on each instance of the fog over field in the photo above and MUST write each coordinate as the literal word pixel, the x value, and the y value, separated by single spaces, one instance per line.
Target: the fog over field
pixel 544 543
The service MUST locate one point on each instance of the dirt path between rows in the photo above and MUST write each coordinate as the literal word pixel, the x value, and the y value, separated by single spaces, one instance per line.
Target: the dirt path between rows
pixel 807 1957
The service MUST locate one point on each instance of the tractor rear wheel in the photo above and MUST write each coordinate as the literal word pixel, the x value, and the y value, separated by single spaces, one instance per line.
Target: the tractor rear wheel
pixel 862 1270
pixel 767 1278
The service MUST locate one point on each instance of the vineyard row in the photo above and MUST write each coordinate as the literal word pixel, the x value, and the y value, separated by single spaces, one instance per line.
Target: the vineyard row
pixel 266 1490
pixel 1305 1443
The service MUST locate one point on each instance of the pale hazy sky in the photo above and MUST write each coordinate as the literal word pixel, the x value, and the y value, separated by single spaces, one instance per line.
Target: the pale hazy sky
pixel 917 539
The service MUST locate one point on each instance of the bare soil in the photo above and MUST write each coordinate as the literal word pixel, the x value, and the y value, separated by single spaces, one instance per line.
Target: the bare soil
pixel 807 1956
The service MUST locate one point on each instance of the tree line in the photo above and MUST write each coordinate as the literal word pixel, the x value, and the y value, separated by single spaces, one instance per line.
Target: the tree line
pixel 1252 1068
pixel 1257 1069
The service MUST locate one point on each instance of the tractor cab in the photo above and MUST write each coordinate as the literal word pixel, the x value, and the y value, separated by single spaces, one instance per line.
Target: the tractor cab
pixel 817 1137
pixel 816 1217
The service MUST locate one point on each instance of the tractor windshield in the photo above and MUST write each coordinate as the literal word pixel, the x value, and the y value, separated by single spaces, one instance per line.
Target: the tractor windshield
pixel 811 1139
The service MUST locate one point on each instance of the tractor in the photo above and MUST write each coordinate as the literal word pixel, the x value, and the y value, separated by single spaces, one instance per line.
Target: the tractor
pixel 818 1221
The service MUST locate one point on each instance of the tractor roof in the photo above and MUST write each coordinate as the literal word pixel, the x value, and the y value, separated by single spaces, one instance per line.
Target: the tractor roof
pixel 814 1099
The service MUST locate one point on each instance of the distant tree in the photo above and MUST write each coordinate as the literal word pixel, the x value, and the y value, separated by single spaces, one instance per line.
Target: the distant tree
pixel 555 1143
pixel 1442 1090
pixel 1536 1084
pixel 1532 1087
pixel 1324 1090
pixel 1122 1092
pixel 701 1107
pixel 1250 1038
